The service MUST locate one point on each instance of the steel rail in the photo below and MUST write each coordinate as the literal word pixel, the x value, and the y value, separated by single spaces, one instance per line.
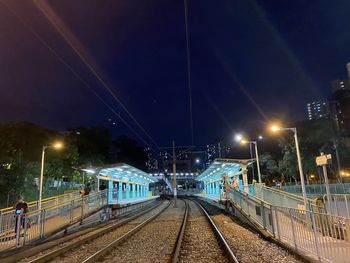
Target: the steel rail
pixel 99 254
pixel 177 247
pixel 88 238
pixel 231 256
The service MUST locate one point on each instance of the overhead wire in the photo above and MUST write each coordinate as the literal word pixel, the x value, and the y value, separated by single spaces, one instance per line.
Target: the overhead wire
pixel 76 74
pixel 189 81
pixel 56 22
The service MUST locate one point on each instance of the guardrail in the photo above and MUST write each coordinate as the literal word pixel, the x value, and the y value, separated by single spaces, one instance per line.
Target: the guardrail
pixel 319 235
pixel 318 189
pixel 281 198
pixel 338 205
pixel 37 224
pixel 7 214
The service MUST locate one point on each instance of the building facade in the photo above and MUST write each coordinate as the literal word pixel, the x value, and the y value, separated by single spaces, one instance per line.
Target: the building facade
pixel 318 110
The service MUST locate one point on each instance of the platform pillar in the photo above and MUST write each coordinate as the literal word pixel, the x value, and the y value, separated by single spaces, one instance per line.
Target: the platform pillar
pixel 217 187
pixel 146 190
pixel 134 193
pixel 127 191
pixel 110 191
pixel 245 178
pixel 120 191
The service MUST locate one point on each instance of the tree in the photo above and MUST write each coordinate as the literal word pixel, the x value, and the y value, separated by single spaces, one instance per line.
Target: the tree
pixel 93 144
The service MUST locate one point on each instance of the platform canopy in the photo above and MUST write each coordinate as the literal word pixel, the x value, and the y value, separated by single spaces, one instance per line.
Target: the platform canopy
pixel 229 167
pixel 122 172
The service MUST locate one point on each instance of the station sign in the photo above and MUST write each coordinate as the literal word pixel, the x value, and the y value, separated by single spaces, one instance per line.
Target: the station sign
pixel 323 159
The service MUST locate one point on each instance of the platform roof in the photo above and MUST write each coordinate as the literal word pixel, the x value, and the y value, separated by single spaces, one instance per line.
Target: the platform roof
pixel 230 167
pixel 125 173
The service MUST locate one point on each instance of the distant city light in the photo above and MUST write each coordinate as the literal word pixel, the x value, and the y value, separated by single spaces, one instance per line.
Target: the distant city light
pixel 197 160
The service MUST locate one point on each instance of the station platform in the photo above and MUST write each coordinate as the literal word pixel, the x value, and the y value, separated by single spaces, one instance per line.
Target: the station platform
pixel 129 202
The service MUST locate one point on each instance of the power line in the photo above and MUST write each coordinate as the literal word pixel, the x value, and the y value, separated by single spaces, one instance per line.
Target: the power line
pixel 75 73
pixel 54 20
pixel 189 69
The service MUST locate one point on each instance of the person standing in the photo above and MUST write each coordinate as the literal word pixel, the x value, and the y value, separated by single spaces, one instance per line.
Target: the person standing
pixel 21 208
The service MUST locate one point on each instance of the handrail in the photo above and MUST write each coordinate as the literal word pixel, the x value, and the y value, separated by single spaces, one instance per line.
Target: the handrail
pixel 2 210
pixel 291 195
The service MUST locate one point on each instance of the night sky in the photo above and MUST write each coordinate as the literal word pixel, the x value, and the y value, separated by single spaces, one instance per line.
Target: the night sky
pixel 251 61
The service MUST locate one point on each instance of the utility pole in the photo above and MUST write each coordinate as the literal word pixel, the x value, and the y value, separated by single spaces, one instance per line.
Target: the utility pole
pixel 174 174
pixel 219 148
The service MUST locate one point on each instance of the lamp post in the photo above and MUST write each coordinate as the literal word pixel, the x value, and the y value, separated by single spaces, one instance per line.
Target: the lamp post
pixel 239 138
pixel 55 146
pixel 257 157
pixel 294 130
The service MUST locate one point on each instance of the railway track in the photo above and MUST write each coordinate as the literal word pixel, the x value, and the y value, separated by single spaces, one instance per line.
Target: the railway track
pixel 100 236
pixel 170 238
pixel 183 234
pixel 199 239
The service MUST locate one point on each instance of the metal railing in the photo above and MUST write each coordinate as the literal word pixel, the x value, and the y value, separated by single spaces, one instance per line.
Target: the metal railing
pixel 37 224
pixel 256 209
pixel 318 189
pixel 319 235
pixel 281 198
pixel 338 205
pixel 7 214
pixel 327 238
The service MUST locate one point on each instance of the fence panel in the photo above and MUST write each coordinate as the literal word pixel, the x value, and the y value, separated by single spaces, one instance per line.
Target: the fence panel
pixel 37 224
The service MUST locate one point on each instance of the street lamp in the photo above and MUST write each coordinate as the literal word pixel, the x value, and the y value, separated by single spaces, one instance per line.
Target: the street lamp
pixel 276 128
pixel 57 145
pixel 238 137
pixel 255 143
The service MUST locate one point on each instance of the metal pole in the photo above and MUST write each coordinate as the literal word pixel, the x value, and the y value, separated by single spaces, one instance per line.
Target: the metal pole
pixel 338 161
pixel 41 177
pixel 257 160
pixel 219 146
pixel 327 187
pixel 174 175
pixel 300 168
pixel 251 157
pixel 83 178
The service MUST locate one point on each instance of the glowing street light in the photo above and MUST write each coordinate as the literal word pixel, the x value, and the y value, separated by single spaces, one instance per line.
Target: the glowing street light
pixel 197 160
pixel 276 128
pixel 57 145
pixel 238 137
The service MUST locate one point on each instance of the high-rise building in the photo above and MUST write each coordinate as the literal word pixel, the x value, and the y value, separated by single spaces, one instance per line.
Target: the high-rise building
pixel 341 104
pixel 318 110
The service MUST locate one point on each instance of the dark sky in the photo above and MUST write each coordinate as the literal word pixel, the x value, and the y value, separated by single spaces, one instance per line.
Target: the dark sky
pixel 251 61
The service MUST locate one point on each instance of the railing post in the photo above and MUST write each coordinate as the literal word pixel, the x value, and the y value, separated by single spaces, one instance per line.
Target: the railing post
pixel 293 228
pixel 277 223
pixel 42 223
pixel 315 236
pixel 25 229
pixel 71 211
pixel 1 221
pixel 18 229
pixel 82 210
pixel 347 227
pixel 263 214
pixel 346 205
